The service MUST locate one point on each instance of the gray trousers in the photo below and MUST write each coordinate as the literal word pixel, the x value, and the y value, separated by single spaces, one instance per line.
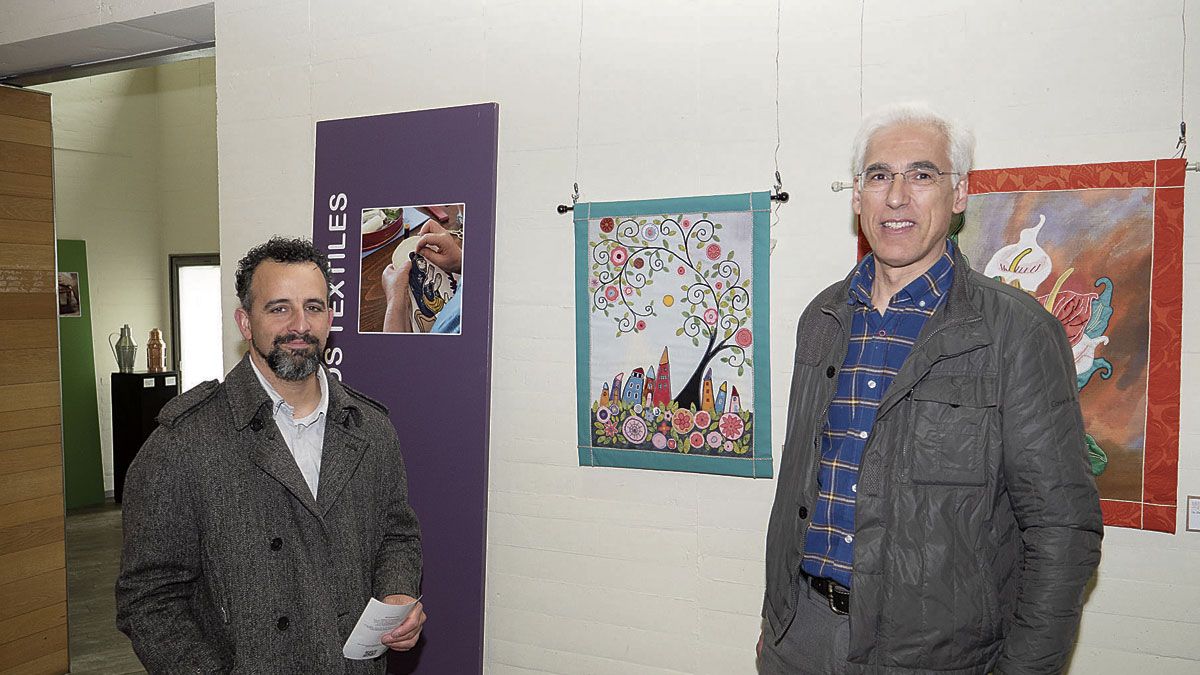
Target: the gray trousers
pixel 816 643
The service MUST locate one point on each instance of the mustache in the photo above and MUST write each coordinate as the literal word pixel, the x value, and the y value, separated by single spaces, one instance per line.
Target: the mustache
pixel 288 337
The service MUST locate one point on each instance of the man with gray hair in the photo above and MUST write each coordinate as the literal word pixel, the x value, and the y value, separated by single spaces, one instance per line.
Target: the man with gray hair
pixel 934 511
pixel 267 510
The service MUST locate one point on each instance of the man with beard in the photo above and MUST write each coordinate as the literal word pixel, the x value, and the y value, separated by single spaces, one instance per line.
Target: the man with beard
pixel 267 510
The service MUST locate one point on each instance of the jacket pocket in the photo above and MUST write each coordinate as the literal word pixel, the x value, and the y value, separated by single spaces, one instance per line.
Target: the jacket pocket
pixel 951 419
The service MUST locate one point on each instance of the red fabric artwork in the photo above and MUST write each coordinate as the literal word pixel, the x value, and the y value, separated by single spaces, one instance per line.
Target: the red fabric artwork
pixel 1101 247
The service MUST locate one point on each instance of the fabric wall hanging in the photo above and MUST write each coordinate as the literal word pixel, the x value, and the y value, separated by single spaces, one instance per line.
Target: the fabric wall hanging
pixel 1101 247
pixel 673 361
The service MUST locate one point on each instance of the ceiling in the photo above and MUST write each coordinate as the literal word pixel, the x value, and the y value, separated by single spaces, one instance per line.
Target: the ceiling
pixel 159 34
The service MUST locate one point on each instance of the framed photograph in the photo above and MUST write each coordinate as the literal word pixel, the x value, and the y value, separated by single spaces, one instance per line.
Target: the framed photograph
pixel 68 294
pixel 411 269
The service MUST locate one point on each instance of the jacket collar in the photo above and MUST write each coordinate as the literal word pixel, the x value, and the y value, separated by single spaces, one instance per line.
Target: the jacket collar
pixel 247 398
pixel 958 306
pixel 955 328
pixel 340 455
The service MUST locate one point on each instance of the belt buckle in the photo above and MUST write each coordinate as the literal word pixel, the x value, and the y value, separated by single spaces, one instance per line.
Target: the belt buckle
pixel 837 598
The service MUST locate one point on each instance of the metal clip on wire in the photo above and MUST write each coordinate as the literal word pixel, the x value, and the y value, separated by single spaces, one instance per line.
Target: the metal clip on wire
pixel 779 195
pixel 563 208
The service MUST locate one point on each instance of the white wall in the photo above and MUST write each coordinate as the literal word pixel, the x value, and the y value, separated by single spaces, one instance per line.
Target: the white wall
pixel 608 571
pixel 135 177
pixel 187 158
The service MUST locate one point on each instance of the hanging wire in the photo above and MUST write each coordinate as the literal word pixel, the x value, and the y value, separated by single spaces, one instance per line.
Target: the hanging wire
pixel 1181 144
pixel 579 95
pixel 862 14
pixel 563 208
pixel 778 127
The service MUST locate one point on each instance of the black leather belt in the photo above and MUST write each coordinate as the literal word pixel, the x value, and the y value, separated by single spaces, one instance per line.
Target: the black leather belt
pixel 837 594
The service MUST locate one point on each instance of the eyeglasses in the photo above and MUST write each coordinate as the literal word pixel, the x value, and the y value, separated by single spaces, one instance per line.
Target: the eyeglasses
pixel 878 180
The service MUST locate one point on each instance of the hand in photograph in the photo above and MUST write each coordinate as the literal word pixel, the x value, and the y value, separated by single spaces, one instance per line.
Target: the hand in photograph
pixel 441 247
pixel 397 318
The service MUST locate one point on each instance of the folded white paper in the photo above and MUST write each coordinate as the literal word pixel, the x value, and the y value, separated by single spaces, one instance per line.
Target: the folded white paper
pixel 378 618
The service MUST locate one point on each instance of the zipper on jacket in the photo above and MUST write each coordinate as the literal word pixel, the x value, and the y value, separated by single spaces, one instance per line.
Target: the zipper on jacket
pixel 795 587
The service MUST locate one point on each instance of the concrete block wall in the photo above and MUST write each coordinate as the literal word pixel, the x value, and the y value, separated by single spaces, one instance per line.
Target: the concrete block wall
pixel 615 571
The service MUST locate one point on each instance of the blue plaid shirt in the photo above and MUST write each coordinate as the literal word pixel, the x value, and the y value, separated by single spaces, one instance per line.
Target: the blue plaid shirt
pixel 878 347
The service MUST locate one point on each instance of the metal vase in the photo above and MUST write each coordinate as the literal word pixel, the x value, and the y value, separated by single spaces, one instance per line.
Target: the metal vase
pixel 124 351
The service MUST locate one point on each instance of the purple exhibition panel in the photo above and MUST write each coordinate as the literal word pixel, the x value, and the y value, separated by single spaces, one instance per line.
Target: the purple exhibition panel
pixel 405 207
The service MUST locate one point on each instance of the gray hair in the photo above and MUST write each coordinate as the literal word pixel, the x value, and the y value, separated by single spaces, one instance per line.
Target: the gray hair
pixel 959 139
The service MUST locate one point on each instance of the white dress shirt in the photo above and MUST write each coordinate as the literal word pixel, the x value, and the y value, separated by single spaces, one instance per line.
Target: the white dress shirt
pixel 305 437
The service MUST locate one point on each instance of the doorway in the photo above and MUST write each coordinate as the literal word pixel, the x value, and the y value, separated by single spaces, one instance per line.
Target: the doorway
pixel 196 318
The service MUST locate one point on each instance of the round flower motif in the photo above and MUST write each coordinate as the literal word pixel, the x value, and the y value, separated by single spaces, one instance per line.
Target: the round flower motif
pixel 686 223
pixel 611 294
pixel 668 300
pixel 659 441
pixel 743 337
pixel 629 290
pixel 664 428
pixel 671 444
pixel 618 255
pixel 713 251
pixel 613 408
pixel 634 429
pixel 728 446
pixel 679 271
pixel 732 426
pixel 703 419
pixel 638 263
pixel 719 285
pixel 696 440
pixel 656 412
pixel 593 283
pixel 602 415
pixel 650 233
pixel 714 439
pixel 610 428
pixel 637 408
pixel 607 225
pixel 682 422
pixel 711 316
pixel 640 325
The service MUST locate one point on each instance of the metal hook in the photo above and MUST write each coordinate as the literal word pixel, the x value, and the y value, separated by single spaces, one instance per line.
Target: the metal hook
pixel 780 195
pixel 563 208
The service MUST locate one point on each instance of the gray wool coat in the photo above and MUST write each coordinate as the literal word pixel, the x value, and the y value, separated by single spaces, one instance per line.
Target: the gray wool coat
pixel 230 565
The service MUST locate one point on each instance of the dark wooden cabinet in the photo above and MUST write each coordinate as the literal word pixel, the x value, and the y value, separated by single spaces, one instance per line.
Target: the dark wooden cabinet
pixel 136 400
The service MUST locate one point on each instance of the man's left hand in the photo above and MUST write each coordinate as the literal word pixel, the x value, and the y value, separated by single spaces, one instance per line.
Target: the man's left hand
pixel 405 636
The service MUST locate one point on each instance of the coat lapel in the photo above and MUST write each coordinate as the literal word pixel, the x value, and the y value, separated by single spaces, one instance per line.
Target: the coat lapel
pixel 251 409
pixel 344 446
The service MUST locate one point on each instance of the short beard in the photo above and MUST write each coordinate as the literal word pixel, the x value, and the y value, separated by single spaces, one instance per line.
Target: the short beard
pixel 289 364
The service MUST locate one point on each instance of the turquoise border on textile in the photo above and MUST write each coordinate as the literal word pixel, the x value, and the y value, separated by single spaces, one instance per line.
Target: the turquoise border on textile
pixel 758 466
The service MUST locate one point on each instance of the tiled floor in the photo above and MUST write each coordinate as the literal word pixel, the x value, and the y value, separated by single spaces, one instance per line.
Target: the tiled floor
pixel 93 557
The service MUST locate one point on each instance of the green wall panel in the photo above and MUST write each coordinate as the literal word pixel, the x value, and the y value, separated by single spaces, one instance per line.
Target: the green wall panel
pixel 82 467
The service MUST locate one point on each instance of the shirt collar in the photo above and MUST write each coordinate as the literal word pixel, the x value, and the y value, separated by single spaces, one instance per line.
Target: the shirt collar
pixel 277 402
pixel 929 287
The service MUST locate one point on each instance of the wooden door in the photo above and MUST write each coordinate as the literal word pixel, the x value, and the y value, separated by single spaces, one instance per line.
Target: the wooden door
pixel 33 579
